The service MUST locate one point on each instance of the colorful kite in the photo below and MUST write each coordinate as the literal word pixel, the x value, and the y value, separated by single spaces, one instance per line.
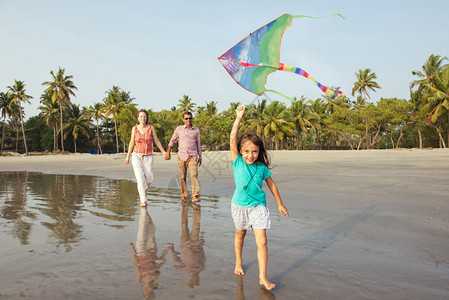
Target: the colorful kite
pixel 251 60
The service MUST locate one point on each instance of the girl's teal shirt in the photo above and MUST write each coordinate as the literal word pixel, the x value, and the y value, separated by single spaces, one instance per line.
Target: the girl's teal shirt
pixel 250 176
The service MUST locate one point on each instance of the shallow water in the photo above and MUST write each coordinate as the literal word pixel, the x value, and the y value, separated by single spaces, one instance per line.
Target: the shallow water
pixel 71 236
pixel 85 237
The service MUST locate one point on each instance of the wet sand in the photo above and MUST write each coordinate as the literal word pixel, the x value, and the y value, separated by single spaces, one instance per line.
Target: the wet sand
pixel 363 225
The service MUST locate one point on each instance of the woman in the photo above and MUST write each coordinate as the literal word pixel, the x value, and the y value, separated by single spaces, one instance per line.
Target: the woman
pixel 141 147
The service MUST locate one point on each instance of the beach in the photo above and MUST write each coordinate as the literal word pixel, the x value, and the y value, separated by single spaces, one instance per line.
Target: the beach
pixel 363 225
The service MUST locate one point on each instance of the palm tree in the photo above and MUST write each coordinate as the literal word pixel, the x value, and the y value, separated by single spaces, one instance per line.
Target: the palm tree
pixel 276 123
pixel 430 69
pixel 437 98
pixel 319 109
pixel 77 123
pixel 18 95
pixel 96 112
pixel 359 103
pixel 211 108
pixel 417 116
pixel 50 113
pixel 60 90
pixel 5 108
pixel 186 104
pixel 14 121
pixel 365 81
pixel 113 103
pixel 302 117
pixel 255 119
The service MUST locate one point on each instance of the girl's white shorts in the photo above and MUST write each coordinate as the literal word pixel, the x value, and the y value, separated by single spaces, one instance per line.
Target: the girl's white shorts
pixel 249 218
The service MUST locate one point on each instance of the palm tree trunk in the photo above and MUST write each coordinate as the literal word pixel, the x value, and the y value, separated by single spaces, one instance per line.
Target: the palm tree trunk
pixel 392 141
pixel 3 134
pixel 54 138
pixel 23 131
pixel 17 136
pixel 116 135
pixel 74 143
pixel 401 134
pixel 297 137
pixel 366 124
pixel 62 132
pixel 442 143
pixel 98 140
pixel 420 137
pixel 448 127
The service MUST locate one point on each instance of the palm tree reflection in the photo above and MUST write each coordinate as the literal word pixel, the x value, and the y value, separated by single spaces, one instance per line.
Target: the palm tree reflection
pixel 14 205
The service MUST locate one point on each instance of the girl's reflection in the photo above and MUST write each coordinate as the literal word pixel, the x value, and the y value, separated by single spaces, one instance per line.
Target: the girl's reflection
pixel 193 257
pixel 145 257
pixel 264 294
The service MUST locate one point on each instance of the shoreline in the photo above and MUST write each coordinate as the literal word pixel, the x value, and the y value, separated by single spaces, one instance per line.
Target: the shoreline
pixel 216 176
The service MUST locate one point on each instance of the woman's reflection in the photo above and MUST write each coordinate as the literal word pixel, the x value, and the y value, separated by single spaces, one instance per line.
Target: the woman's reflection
pixel 193 258
pixel 145 257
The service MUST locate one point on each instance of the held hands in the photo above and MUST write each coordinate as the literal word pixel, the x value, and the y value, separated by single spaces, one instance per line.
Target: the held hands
pixel 167 155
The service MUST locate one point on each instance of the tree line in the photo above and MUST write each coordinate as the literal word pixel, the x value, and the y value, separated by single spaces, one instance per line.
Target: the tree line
pixel 328 122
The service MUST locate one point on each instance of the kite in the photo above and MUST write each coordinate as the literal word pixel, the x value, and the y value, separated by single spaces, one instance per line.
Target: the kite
pixel 252 59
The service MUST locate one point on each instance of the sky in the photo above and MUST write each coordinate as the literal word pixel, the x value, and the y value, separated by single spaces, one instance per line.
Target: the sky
pixel 161 50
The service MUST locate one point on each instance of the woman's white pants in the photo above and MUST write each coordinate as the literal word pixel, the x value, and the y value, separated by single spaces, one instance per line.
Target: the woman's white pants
pixel 143 170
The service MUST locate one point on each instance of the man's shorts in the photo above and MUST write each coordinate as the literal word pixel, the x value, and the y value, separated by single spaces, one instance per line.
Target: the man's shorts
pixel 249 218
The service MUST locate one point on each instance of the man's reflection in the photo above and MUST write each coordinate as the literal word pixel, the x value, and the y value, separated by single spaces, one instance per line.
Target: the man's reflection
pixel 145 257
pixel 264 294
pixel 193 258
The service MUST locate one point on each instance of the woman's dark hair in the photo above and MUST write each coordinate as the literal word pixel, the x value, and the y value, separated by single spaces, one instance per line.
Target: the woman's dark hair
pixel 143 110
pixel 254 138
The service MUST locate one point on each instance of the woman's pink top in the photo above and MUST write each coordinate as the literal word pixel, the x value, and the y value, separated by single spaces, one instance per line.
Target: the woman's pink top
pixel 143 142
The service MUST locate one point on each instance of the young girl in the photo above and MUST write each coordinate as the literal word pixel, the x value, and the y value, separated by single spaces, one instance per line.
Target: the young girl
pixel 250 162
pixel 141 142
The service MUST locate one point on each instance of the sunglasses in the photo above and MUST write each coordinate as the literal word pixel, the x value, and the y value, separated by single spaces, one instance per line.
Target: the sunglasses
pixel 188 118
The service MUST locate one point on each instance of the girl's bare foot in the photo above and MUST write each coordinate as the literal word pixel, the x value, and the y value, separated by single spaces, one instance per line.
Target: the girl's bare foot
pixel 267 284
pixel 143 204
pixel 239 270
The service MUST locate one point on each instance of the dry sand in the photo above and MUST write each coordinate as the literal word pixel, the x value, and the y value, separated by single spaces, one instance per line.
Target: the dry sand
pixel 378 221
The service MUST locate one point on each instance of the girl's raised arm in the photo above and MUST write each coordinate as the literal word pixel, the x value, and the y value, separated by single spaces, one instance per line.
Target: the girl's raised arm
pixel 234 132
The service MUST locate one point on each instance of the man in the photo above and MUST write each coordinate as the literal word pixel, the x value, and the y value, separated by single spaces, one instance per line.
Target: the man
pixel 189 155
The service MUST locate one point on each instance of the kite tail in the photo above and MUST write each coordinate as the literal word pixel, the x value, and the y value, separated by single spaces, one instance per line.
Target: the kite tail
pixel 301 72
pixel 302 16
